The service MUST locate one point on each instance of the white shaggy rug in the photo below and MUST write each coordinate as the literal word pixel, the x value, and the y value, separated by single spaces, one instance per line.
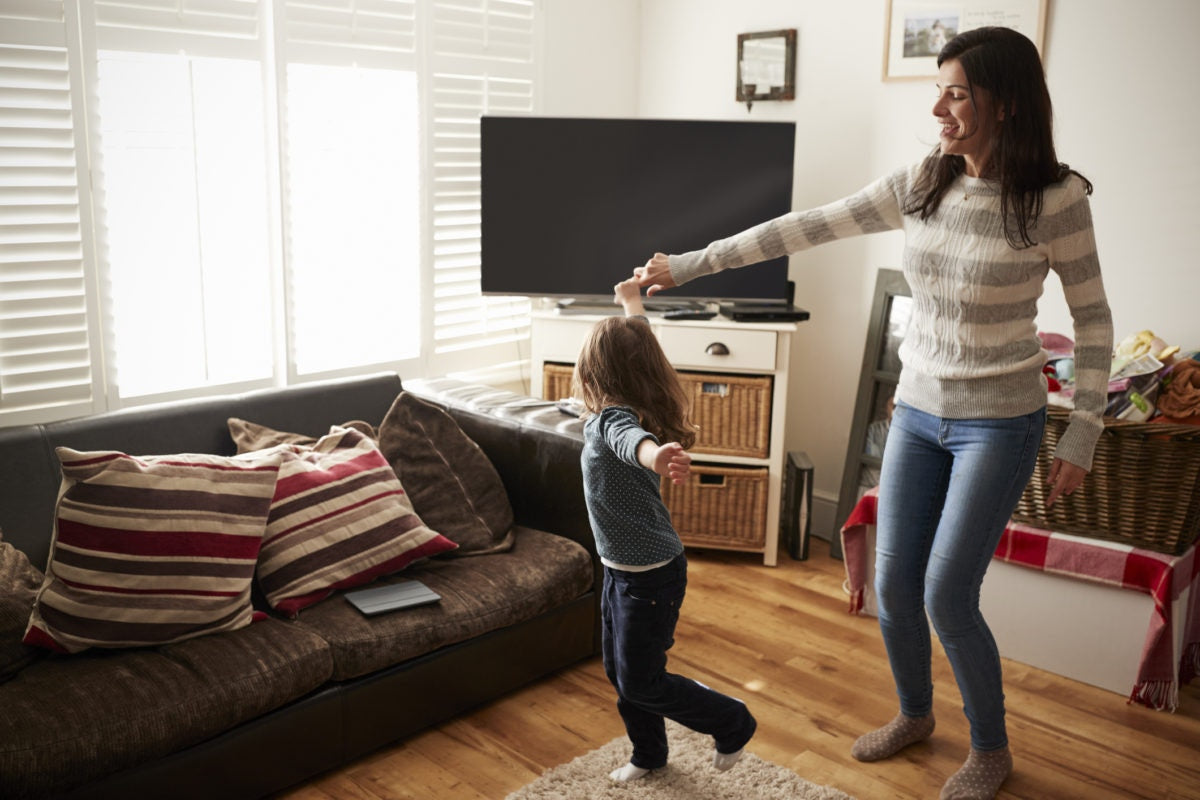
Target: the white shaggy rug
pixel 689 775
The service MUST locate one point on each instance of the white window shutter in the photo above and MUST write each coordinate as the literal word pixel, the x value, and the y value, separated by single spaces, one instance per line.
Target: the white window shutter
pixel 355 28
pixel 483 54
pixel 229 28
pixel 46 312
pixel 351 183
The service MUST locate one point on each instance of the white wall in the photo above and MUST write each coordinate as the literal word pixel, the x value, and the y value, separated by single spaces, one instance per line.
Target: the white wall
pixel 591 63
pixel 1126 116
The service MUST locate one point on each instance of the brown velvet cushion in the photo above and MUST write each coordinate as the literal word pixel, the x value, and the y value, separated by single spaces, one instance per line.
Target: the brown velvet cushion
pixel 250 436
pixel 19 582
pixel 539 573
pixel 454 487
pixel 72 719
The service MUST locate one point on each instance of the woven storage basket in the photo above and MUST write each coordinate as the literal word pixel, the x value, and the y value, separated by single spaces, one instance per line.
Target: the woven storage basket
pixel 732 411
pixel 1143 490
pixel 722 506
pixel 556 381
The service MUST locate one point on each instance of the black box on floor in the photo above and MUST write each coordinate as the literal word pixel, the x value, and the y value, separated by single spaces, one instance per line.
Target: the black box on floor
pixel 795 513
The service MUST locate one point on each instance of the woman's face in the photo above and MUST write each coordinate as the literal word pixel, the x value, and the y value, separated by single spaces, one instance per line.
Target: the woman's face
pixel 968 118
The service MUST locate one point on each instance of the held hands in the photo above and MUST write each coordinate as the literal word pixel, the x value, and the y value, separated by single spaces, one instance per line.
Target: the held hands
pixel 1064 478
pixel 672 461
pixel 628 295
pixel 655 275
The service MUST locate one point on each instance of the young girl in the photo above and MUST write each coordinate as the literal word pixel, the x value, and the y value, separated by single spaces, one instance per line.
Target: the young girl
pixel 635 402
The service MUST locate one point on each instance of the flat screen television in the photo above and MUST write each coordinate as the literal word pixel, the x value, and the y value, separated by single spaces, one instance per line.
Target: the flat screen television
pixel 571 205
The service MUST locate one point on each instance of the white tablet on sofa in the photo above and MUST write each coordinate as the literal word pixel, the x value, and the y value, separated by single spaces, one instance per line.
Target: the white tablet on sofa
pixel 404 594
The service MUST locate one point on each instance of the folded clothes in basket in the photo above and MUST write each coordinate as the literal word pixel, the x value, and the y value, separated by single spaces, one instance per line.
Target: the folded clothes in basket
pixel 1179 397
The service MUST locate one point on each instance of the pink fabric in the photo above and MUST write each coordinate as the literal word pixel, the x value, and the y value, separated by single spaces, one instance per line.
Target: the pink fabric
pixel 1163 577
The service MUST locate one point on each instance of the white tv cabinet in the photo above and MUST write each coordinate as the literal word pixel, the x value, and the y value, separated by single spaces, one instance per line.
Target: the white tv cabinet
pixel 702 351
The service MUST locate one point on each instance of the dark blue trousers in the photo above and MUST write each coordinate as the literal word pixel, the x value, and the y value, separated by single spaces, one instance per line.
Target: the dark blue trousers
pixel 639 611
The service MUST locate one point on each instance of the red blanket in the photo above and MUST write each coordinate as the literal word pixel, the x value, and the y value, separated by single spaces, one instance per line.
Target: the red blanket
pixel 1165 578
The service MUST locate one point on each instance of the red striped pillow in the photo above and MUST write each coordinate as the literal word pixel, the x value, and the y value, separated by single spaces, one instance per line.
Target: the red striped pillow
pixel 339 518
pixel 149 550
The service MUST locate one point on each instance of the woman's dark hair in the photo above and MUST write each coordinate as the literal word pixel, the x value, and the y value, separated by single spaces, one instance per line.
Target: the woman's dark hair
pixel 622 363
pixel 1005 64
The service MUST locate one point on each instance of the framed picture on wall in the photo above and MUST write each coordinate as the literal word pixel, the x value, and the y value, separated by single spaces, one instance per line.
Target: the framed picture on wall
pixel 918 29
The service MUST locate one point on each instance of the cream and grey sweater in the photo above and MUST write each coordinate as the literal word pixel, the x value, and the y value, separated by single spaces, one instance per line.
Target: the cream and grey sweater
pixel 971 350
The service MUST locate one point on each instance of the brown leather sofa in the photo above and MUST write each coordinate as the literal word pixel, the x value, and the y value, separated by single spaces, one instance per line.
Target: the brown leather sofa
pixel 248 712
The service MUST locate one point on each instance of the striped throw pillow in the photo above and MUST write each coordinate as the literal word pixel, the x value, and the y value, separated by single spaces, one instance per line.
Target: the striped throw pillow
pixel 339 518
pixel 149 550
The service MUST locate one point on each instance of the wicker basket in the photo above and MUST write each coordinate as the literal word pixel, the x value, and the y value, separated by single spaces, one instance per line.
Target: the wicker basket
pixel 556 381
pixel 720 506
pixel 732 411
pixel 1143 490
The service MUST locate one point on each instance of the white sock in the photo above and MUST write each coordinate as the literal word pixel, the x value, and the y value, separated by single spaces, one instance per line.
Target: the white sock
pixel 724 761
pixel 628 773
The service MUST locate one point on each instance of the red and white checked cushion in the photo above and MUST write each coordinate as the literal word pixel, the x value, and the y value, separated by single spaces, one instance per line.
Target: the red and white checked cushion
pixel 149 550
pixel 339 518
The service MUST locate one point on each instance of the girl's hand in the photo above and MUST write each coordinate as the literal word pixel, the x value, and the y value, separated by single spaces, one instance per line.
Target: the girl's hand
pixel 672 461
pixel 655 275
pixel 1064 478
pixel 628 295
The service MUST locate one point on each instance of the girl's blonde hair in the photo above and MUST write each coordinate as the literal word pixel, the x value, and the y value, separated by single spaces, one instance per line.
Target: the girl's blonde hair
pixel 622 364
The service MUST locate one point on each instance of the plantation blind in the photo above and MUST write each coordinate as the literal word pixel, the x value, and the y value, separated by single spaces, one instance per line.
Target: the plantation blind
pixel 351 27
pixel 48 336
pixel 483 62
pixel 350 118
pixel 229 28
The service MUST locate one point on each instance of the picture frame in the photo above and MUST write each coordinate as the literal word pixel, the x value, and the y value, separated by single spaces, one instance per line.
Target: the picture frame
pixel 766 66
pixel 891 310
pixel 916 30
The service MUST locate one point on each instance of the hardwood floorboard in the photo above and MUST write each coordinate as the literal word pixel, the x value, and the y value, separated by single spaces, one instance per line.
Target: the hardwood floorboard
pixel 816 678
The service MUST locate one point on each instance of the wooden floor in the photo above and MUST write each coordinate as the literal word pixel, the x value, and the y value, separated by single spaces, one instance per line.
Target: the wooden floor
pixel 815 677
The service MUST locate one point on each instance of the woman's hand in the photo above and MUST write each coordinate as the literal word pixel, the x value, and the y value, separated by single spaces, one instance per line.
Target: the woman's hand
pixel 628 295
pixel 1064 478
pixel 655 275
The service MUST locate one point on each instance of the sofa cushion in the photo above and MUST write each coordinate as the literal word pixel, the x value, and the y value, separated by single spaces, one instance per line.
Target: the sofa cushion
pixel 152 549
pixel 539 572
pixel 250 436
pixel 339 518
pixel 76 718
pixel 19 582
pixel 453 485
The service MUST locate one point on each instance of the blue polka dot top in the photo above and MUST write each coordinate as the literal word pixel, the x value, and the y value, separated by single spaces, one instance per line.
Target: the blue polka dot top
pixel 630 522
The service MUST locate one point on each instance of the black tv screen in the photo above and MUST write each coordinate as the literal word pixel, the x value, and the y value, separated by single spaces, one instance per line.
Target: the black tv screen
pixel 571 205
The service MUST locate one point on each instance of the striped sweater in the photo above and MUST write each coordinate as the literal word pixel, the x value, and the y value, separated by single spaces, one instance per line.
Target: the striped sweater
pixel 971 350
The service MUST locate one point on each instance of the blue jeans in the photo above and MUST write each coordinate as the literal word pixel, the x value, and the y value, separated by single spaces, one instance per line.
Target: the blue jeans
pixel 639 612
pixel 947 489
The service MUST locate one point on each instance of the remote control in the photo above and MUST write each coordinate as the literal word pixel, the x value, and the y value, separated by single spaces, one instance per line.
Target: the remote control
pixel 571 406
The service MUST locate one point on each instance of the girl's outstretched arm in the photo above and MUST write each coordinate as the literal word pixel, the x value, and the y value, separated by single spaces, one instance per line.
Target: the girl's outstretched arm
pixel 628 295
pixel 669 460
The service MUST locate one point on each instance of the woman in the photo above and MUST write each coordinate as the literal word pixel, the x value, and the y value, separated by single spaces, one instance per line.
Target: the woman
pixel 986 215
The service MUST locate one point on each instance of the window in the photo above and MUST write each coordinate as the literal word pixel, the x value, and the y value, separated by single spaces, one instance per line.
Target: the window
pixel 183 165
pixel 283 190
pixel 355 265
